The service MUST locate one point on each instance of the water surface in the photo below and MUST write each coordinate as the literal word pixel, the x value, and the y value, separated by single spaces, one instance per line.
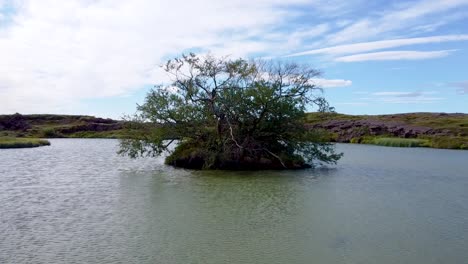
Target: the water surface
pixel 78 202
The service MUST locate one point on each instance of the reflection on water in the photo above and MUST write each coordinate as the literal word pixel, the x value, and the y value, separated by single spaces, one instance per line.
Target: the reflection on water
pixel 78 202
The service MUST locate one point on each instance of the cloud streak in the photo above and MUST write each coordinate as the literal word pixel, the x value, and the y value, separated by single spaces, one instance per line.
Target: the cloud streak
pixel 399 97
pixel 331 83
pixel 380 45
pixel 462 87
pixel 395 55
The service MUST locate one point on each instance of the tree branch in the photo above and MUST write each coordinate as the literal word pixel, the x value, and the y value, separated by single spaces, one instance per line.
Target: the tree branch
pixel 276 156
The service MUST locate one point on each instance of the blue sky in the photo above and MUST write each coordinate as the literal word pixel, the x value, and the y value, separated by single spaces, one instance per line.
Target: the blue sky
pixel 100 57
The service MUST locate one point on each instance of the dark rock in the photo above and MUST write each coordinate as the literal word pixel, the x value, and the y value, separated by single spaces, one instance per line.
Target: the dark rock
pixel 347 130
pixel 14 122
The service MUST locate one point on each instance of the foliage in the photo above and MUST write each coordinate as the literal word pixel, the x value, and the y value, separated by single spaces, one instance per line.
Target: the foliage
pixel 231 114
pixel 9 142
pixel 50 132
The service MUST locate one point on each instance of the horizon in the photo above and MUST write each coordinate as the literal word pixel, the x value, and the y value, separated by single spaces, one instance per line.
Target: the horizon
pixel 100 58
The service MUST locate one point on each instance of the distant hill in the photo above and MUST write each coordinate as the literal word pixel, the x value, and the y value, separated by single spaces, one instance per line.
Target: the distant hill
pixel 438 130
pixel 53 126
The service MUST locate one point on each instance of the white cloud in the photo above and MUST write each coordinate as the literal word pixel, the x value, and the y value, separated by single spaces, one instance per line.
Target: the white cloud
pixel 331 83
pixel 379 45
pixel 55 53
pixel 395 55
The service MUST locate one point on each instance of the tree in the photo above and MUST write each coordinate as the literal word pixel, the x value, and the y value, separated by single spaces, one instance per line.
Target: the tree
pixel 231 114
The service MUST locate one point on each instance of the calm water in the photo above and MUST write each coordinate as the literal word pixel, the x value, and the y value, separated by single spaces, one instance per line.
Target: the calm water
pixel 78 202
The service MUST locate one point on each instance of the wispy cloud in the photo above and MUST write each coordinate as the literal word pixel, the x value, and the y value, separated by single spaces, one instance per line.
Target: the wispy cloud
pixel 400 97
pixel 462 87
pixel 331 83
pixel 403 94
pixel 399 17
pixel 395 55
pixel 380 45
pixel 418 100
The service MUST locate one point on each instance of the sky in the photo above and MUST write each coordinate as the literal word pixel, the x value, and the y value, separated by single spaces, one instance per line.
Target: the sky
pixel 101 57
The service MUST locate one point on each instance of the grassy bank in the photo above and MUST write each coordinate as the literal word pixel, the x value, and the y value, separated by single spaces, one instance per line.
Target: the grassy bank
pixel 397 142
pixel 430 142
pixel 9 142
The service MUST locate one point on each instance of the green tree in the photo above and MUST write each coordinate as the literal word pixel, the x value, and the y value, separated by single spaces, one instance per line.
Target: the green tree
pixel 231 114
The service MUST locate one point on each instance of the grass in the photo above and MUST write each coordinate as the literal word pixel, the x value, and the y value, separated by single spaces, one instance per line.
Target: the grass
pixel 449 142
pixel 397 142
pixel 446 142
pixel 10 142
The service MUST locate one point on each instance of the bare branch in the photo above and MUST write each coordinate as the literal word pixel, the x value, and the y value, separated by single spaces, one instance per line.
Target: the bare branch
pixel 276 156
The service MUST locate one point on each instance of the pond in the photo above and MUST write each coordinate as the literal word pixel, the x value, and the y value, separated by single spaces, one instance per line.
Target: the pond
pixel 77 201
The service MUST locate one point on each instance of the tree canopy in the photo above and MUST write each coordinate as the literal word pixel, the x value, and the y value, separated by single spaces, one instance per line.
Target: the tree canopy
pixel 231 114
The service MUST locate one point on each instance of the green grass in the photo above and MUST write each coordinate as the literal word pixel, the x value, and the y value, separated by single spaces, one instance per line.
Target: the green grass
pixel 397 142
pixel 9 142
pixel 449 142
pixel 446 142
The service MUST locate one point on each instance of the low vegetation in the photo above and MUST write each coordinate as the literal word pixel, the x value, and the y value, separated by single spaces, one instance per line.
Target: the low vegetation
pixel 9 142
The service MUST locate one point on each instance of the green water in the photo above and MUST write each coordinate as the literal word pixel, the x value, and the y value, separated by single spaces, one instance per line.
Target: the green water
pixel 78 202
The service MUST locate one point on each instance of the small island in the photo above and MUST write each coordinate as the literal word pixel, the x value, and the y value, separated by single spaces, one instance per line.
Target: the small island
pixel 232 115
pixel 10 142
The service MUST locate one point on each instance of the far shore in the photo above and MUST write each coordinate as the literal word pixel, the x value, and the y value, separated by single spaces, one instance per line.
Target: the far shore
pixel 433 130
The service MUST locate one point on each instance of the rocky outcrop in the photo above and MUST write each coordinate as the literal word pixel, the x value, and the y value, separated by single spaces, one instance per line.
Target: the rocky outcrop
pixel 15 122
pixel 94 127
pixel 55 125
pixel 347 130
